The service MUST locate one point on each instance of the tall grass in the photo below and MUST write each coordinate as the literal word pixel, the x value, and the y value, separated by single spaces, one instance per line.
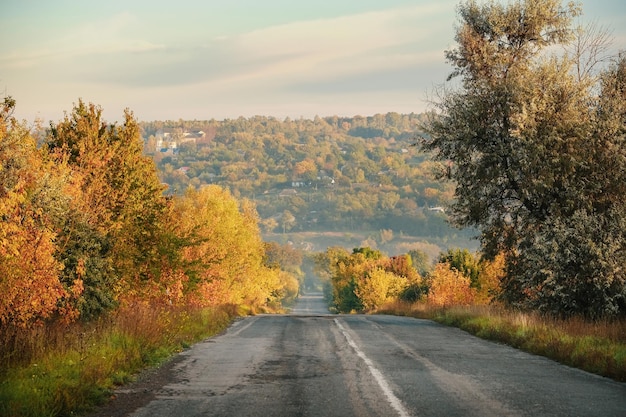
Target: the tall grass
pixel 60 370
pixel 597 347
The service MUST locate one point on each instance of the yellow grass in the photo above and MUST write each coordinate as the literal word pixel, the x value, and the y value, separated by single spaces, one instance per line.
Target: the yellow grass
pixel 597 347
pixel 60 370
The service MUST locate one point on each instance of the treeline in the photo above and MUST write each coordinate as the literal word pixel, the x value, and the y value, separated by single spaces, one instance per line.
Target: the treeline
pixel 328 173
pixel 86 227
pixel 366 279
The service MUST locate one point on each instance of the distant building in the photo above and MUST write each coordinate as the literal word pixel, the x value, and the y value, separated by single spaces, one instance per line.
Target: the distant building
pixel 437 209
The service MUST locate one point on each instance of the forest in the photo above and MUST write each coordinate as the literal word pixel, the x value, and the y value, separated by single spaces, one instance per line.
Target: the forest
pixel 350 181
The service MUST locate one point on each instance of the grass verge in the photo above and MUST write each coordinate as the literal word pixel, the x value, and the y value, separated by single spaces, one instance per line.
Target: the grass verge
pixel 597 347
pixel 67 370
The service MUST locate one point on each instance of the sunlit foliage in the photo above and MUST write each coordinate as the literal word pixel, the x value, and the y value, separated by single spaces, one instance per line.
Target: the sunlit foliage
pixel 366 279
pixel 29 272
pixel 448 287
pixel 86 228
pixel 225 260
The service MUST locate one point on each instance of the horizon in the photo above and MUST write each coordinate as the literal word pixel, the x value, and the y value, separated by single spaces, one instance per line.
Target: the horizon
pixel 207 60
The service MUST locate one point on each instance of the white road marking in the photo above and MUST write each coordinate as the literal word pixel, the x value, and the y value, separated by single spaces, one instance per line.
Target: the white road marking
pixel 463 387
pixel 378 376
pixel 235 332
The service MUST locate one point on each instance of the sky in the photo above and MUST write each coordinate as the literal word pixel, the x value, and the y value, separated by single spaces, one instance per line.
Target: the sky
pixel 210 59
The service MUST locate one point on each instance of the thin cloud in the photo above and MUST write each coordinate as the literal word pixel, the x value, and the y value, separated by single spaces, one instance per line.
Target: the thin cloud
pixel 294 57
pixel 302 51
pixel 340 46
pixel 204 60
pixel 104 37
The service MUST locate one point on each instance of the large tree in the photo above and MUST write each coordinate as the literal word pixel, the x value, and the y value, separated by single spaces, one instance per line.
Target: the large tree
pixel 115 228
pixel 537 155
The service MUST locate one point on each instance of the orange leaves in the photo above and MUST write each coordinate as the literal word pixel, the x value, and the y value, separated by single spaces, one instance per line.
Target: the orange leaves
pixel 491 274
pixel 449 287
pixel 305 169
pixel 28 270
pixel 29 282
pixel 84 225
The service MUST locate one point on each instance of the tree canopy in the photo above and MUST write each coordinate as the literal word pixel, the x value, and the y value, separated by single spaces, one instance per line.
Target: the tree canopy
pixel 86 226
pixel 536 152
pixel 344 174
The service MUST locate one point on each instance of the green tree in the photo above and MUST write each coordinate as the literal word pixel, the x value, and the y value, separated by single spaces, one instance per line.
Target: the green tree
pixel 325 264
pixel 528 145
pixel 420 261
pixel 119 196
pixel 464 262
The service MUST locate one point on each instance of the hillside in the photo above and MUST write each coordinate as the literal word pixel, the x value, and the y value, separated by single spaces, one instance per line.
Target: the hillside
pixel 361 178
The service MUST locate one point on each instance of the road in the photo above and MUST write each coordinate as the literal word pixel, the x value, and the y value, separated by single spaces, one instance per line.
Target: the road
pixel 311 363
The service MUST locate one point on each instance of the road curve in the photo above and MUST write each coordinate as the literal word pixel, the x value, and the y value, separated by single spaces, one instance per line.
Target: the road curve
pixel 311 363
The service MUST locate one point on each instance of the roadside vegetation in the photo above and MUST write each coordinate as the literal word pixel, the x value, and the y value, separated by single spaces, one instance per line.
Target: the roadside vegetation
pixel 533 135
pixel 462 290
pixel 101 273
pixel 598 347
pixel 62 370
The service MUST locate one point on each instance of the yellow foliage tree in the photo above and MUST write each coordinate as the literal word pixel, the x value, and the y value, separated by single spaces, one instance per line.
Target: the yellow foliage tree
pixel 305 169
pixel 491 274
pixel 449 287
pixel 378 287
pixel 224 257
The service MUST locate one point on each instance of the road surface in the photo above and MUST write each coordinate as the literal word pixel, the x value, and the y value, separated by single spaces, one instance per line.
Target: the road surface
pixel 311 363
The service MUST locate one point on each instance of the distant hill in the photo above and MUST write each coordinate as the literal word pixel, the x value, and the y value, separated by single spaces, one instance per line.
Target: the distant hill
pixel 361 178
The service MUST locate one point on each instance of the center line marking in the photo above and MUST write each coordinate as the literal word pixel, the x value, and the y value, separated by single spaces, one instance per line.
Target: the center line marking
pixel 378 376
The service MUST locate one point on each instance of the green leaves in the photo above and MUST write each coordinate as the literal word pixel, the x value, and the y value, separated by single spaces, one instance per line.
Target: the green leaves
pixel 538 157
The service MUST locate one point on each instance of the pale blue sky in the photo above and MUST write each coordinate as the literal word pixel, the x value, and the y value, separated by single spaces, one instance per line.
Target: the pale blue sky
pixel 195 59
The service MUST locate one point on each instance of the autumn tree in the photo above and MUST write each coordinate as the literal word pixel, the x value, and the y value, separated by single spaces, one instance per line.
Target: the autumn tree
pixel 284 257
pixel 449 287
pixel 365 279
pixel 305 170
pixel 464 262
pixel 225 259
pixel 288 260
pixel 536 154
pixel 378 287
pixel 346 272
pixel 324 267
pixel 31 200
pixel 492 271
pixel 115 236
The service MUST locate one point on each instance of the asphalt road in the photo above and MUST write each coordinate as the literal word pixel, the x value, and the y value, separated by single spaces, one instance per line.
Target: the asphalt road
pixel 311 363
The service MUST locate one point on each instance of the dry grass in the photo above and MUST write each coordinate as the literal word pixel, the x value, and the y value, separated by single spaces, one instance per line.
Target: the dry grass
pixel 60 370
pixel 598 347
